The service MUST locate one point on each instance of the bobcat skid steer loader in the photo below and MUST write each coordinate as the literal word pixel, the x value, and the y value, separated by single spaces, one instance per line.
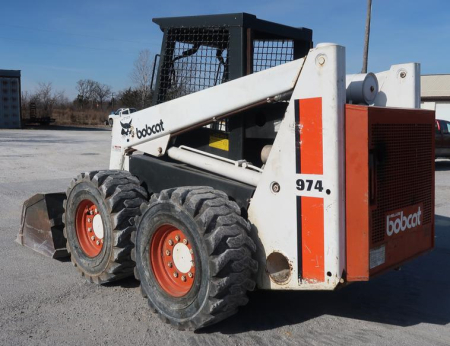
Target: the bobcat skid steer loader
pixel 261 164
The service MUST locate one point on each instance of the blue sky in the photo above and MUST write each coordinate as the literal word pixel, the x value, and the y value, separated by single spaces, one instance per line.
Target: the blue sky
pixel 64 41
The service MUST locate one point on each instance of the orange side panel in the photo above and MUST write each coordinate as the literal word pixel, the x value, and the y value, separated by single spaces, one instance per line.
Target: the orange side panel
pixel 312 239
pixel 311 153
pixel 310 161
pixel 357 193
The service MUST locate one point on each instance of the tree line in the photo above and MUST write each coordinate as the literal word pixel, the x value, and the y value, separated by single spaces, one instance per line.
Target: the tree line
pixel 95 95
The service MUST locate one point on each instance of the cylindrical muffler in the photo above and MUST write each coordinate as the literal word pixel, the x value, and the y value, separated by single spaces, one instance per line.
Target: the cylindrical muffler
pixel 362 88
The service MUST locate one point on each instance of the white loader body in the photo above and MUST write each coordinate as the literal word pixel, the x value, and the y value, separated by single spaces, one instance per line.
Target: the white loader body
pixel 298 207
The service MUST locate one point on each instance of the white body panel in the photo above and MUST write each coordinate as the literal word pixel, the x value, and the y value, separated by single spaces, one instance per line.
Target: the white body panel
pixel 275 215
pixel 399 87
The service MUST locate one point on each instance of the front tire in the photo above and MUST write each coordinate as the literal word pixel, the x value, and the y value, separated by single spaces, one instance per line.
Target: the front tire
pixel 99 219
pixel 193 256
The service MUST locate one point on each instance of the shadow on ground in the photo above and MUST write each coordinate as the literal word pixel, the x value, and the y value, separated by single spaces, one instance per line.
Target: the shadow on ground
pixel 130 282
pixel 419 293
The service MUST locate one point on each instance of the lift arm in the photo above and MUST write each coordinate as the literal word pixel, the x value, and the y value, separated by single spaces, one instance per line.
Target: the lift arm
pixel 149 130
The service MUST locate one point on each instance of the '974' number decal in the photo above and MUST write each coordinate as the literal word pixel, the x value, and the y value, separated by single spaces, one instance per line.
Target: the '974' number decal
pixel 309 185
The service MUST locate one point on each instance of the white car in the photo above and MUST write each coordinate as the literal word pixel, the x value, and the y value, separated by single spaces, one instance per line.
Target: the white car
pixel 118 114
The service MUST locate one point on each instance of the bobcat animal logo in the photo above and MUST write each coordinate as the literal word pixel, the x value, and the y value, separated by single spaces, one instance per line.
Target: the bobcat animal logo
pixel 126 128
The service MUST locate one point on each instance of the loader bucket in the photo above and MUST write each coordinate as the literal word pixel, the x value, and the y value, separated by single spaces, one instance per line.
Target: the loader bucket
pixel 42 227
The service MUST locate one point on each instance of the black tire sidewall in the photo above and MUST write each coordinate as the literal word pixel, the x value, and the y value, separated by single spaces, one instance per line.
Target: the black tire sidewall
pixel 93 266
pixel 182 308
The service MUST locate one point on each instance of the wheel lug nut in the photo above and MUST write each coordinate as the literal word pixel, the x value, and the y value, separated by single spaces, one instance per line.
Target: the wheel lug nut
pixel 89 229
pixel 185 241
pixel 98 242
pixel 167 252
pixel 190 274
pixel 92 238
pixel 170 242
pixel 95 211
pixel 177 238
pixel 183 278
pixel 170 264
pixel 89 220
pixel 175 274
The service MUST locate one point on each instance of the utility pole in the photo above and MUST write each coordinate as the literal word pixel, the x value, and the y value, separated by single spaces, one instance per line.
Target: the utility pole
pixel 367 35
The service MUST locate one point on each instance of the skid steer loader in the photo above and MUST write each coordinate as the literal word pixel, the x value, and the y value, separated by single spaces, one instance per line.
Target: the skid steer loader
pixel 260 164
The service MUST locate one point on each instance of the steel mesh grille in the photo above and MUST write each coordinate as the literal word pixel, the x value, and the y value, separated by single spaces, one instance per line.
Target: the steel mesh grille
pixel 194 59
pixel 404 171
pixel 270 53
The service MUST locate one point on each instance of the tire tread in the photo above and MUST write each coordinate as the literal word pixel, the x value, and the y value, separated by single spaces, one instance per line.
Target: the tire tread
pixel 229 245
pixel 123 196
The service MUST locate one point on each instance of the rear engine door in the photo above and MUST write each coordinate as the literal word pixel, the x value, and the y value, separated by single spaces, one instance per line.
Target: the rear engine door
pixel 389 187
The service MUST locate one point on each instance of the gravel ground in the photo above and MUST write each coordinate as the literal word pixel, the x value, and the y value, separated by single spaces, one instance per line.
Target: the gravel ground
pixel 45 302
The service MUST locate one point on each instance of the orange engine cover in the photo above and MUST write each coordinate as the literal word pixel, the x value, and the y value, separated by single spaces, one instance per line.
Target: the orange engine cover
pixel 389 187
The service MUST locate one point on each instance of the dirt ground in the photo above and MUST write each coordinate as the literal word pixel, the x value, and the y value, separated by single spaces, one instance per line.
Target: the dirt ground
pixel 46 302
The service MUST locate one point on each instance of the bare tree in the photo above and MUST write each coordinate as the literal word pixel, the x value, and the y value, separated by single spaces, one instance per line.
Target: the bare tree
pixel 142 74
pixel 102 91
pixel 83 91
pixel 25 101
pixel 92 91
pixel 60 99
pixel 44 96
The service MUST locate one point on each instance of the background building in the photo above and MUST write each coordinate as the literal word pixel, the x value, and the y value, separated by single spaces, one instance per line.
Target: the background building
pixel 10 103
pixel 435 94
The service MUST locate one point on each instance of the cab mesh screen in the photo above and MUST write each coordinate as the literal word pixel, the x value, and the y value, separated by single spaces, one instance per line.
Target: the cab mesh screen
pixel 194 59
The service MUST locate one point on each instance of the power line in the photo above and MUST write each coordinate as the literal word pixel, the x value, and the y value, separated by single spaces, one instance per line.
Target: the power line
pixel 77 34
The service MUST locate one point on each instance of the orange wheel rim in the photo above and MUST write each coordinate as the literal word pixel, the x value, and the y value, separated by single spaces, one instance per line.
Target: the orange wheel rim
pixel 89 228
pixel 172 260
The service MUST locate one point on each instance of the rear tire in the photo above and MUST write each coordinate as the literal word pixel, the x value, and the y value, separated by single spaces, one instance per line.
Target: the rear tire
pixel 99 219
pixel 217 238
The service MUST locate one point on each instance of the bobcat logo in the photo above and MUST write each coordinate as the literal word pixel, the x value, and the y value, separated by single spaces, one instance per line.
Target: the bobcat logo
pixel 126 128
